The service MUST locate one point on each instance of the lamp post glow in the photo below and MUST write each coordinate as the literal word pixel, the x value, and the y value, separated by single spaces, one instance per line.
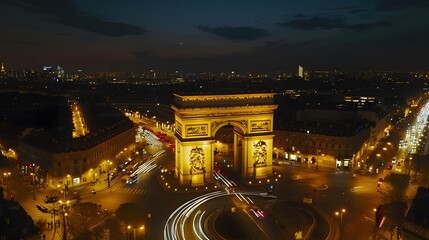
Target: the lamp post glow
pixel 5 180
pixel 91 172
pixel 32 183
pixel 64 207
pixel 108 172
pixel 409 167
pixel 142 228
pixel 340 213
pixel 375 223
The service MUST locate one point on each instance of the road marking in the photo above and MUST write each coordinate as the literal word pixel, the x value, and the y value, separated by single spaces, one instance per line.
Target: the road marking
pixel 297 177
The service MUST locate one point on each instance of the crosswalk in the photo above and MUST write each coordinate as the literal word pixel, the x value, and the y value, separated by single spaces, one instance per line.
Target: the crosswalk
pixel 129 190
pixel 366 178
pixel 297 177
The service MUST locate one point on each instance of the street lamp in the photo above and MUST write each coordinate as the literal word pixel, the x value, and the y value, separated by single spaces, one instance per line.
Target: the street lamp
pixel 142 228
pixel 340 213
pixel 62 191
pixel 32 183
pixel 65 222
pixel 5 179
pixel 64 207
pixel 66 184
pixel 375 222
pixel 91 172
pixel 108 172
pixel 409 167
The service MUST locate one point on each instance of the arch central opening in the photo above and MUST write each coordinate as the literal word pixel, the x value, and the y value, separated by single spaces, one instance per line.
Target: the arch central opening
pixel 227 148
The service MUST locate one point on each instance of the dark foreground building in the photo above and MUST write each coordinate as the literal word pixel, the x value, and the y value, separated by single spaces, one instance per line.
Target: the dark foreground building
pixel 15 223
pixel 417 220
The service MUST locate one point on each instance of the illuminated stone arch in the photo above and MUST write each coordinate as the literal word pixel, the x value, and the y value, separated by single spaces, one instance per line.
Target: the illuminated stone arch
pixel 199 117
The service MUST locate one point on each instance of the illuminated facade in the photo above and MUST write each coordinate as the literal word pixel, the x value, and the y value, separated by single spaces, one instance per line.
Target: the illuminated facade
pixel 198 118
pixel 80 161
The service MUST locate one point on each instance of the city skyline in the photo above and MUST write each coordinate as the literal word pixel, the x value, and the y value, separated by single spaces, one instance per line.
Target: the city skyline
pixel 214 36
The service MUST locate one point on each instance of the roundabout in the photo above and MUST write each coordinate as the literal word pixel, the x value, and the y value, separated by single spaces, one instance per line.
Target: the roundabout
pixel 224 215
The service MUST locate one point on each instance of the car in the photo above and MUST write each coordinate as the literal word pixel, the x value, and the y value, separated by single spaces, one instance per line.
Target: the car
pixel 42 209
pixel 257 212
pixel 131 180
pixel 51 199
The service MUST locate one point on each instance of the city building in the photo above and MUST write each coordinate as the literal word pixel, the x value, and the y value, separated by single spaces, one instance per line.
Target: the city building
pixel 40 129
pixel 300 71
pixel 325 144
pixel 328 135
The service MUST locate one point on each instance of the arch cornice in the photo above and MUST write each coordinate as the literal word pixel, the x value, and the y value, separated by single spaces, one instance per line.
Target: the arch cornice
pixel 224 111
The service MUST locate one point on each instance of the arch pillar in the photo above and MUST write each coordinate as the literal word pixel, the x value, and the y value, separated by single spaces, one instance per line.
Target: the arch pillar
pixel 238 151
pixel 194 162
pixel 257 153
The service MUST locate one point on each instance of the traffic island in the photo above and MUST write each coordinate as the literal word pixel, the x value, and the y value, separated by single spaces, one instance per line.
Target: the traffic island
pixel 228 227
pixel 170 184
pixel 294 220
pixel 301 219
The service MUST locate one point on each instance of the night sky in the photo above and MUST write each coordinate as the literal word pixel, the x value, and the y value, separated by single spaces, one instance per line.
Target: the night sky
pixel 221 35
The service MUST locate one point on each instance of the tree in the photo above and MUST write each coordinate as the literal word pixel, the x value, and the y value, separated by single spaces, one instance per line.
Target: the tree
pixel 41 224
pixel 395 215
pixel 398 184
pixel 130 214
pixel 420 164
pixel 82 217
pixel 87 235
pixel 396 206
pixel 110 228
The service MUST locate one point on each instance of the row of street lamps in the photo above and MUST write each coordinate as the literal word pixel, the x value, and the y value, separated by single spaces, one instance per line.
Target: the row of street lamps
pixel 341 212
pixel 4 178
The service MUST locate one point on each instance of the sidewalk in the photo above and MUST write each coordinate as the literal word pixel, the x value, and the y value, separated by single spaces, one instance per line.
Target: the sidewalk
pixel 50 231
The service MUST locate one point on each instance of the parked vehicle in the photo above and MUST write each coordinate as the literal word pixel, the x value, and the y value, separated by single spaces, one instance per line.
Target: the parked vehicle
pixel 42 209
pixel 51 199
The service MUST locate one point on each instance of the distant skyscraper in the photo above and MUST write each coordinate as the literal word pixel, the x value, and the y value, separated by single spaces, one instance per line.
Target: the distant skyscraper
pixel 60 72
pixel 2 68
pixel 300 71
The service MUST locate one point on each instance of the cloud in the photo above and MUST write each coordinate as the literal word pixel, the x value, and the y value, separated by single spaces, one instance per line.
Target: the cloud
pixel 330 22
pixel 100 26
pixel 22 42
pixel 66 13
pixel 361 26
pixel 275 44
pixel 299 15
pixel 397 5
pixel 314 23
pixel 357 10
pixel 268 56
pixel 235 33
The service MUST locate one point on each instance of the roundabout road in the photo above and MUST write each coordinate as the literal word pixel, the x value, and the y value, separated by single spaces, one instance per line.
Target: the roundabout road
pixel 195 218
